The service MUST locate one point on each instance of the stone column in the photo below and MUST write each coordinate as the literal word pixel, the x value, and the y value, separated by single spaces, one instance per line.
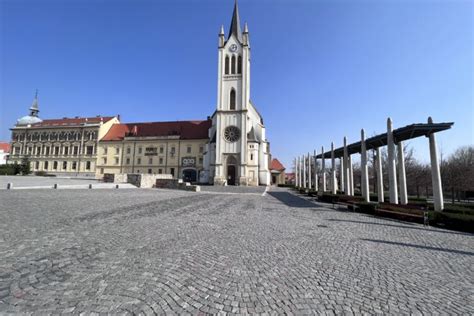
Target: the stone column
pixel 316 184
pixel 402 177
pixel 296 172
pixel 299 172
pixel 341 173
pixel 364 169
pixel 380 192
pixel 310 185
pixel 351 176
pixel 346 169
pixel 392 169
pixel 333 170
pixel 323 171
pixel 435 173
pixel 304 172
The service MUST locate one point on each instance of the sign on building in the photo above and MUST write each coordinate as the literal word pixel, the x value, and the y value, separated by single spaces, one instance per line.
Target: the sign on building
pixel 188 161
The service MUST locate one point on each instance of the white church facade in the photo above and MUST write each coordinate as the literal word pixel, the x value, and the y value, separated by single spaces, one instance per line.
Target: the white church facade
pixel 238 152
pixel 228 148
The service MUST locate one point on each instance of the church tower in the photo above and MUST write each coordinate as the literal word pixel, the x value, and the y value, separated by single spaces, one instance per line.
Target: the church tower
pixel 238 152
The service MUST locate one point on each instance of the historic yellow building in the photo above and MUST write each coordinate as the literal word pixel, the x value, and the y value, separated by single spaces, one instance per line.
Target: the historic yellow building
pixel 176 148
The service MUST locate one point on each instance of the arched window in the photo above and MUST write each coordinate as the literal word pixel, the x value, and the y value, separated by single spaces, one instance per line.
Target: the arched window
pixel 233 65
pixel 232 100
pixel 226 65
pixel 239 65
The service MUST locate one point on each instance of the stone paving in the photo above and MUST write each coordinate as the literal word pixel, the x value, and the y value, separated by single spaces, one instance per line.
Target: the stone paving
pixel 172 252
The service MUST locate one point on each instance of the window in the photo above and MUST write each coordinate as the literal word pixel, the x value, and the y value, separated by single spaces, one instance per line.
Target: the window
pixel 116 161
pixel 149 171
pixel 233 65
pixel 173 150
pixel 88 165
pixel 46 165
pixel 74 165
pixel 128 161
pixel 128 150
pixel 139 161
pixel 200 160
pixel 55 165
pixel 226 65
pixel 160 171
pixel 161 161
pixel 30 150
pixel 56 150
pixel 76 150
pixel 188 149
pixel 161 150
pixel 90 150
pixel 37 164
pixel 239 65
pixel 101 170
pixel 104 161
pixel 150 161
pixel 64 165
pixel 232 100
pixel 38 151
pixel 201 149
pixel 251 156
pixel 117 150
pixel 139 150
pixel 105 150
pixel 46 151
pixel 172 171
pixel 66 151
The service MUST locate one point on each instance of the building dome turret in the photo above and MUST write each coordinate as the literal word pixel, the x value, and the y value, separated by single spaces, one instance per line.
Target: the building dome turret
pixel 33 117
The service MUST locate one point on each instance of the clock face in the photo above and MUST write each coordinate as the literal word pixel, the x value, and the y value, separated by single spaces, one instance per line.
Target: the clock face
pixel 233 47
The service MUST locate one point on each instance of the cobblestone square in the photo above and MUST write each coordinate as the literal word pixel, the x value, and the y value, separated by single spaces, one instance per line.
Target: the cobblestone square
pixel 160 252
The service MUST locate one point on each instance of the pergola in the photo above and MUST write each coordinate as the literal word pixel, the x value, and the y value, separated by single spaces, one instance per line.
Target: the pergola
pixel 390 139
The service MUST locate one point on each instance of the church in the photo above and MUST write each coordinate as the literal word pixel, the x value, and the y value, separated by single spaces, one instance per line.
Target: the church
pixel 238 150
pixel 228 148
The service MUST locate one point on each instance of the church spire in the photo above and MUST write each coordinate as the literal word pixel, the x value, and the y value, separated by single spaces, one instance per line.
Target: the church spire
pixel 34 109
pixel 235 24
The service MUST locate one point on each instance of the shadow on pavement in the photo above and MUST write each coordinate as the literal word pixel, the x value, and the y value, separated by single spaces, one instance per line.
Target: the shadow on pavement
pixel 399 226
pixel 461 252
pixel 292 200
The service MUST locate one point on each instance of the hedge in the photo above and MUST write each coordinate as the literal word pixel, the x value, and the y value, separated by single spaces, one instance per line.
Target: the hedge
pixel 286 185
pixel 460 222
pixel 367 207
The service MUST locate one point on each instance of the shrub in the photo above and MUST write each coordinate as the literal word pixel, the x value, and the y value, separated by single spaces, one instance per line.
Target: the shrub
pixel 456 209
pixel 460 222
pixel 286 185
pixel 8 170
pixel 329 198
pixel 41 173
pixel 367 207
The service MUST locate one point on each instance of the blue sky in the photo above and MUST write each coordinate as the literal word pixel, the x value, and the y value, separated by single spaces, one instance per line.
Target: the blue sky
pixel 321 70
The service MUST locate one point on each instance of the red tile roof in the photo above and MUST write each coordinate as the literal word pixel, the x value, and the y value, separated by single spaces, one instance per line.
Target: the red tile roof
pixel 183 129
pixel 74 121
pixel 5 147
pixel 276 165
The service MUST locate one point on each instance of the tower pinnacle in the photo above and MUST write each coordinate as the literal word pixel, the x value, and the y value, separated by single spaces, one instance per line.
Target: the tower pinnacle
pixel 235 24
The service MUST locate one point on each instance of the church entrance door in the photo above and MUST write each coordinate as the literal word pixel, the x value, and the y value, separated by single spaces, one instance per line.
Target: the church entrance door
pixel 231 175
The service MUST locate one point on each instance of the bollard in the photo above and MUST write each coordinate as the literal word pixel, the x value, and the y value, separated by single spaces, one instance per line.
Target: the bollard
pixel 55 186
pixel 9 186
pixel 90 185
pixel 116 186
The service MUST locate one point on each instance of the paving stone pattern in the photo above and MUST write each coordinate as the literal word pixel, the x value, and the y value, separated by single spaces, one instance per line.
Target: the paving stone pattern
pixel 172 252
